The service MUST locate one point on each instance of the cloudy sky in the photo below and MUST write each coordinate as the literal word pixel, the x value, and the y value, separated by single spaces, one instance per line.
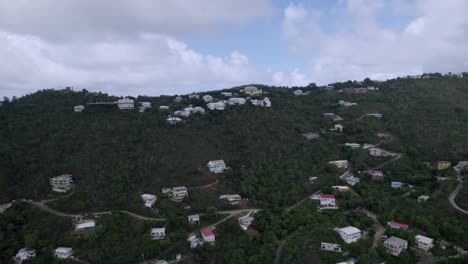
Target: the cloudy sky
pixel 155 47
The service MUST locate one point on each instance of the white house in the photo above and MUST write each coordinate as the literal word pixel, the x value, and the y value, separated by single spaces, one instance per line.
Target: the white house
pixel 462 165
pixel 330 247
pixel 349 234
pixel 246 221
pixel 378 152
pixel 236 101
pixel 216 166
pixel 424 243
pixel 346 104
pixel 311 135
pixel 194 219
pixel 208 235
pixel 297 92
pixel 179 193
pixel 24 254
pixel 196 109
pixel 61 183
pixel 63 252
pixel 173 120
pixel 265 102
pixel 341 164
pixel 327 201
pixel 207 98
pixel 423 198
pixel 227 94
pixel 149 199
pixel 395 245
pixel 125 104
pixel 252 90
pixel 163 107
pixel 181 113
pixel 194 241
pixel 221 105
pixel 78 108
pixel 352 180
pixel 341 188
pixel 194 96
pixel 84 225
pixel 158 233
pixel 144 106
pixel 338 128
pixel 3 207
pixel 233 199
pixel 353 145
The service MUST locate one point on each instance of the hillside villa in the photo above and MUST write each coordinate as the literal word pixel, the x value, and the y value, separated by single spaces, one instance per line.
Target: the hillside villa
pixel 216 166
pixel 424 243
pixel 208 235
pixel 62 183
pixel 233 199
pixel 24 254
pixel 330 247
pixel 194 219
pixel 63 252
pixel 395 245
pixel 327 201
pixel 125 104
pixel 349 234
pixel 341 164
pixel 158 233
pixel 148 199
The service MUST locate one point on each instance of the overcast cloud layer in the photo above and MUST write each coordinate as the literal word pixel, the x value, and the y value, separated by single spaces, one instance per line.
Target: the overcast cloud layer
pixel 144 47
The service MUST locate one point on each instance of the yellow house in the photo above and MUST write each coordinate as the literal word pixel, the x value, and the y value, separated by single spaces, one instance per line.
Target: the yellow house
pixel 442 165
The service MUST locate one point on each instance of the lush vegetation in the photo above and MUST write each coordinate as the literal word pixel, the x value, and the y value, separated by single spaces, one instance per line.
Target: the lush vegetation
pixel 115 156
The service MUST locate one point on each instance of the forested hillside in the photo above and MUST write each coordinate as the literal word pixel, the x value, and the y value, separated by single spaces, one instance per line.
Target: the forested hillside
pixel 115 156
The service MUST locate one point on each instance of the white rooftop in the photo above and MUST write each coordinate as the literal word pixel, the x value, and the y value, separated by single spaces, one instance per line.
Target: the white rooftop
pixel 86 224
pixel 425 240
pixel 349 230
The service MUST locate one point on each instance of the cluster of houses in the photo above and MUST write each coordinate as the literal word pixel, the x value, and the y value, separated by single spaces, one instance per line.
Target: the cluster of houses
pixel 28 253
pixel 123 104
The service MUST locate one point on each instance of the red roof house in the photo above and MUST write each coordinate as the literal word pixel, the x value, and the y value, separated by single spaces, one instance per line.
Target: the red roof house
pixel 377 175
pixel 397 225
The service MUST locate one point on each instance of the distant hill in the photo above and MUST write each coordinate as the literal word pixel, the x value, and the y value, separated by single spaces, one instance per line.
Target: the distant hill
pixel 115 155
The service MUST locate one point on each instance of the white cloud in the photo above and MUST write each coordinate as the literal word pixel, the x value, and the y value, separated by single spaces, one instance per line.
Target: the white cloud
pixel 148 64
pixel 58 19
pixel 351 41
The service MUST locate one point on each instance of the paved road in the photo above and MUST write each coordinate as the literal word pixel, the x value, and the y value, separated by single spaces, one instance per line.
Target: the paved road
pixel 398 155
pixel 455 192
pixel 46 208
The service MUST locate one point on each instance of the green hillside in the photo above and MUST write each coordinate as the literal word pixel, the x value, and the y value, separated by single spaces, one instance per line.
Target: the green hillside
pixel 115 156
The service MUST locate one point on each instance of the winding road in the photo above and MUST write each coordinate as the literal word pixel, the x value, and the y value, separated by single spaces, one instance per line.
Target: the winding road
pixel 454 194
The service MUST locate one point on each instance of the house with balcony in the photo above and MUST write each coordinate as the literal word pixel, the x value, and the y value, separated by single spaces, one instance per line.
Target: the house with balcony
pixel 126 104
pixel 232 199
pixel 63 252
pixel 221 105
pixel 158 233
pixel 62 183
pixel 424 243
pixel 327 201
pixel 252 90
pixel 330 247
pixel 24 254
pixel 179 193
pixel 148 199
pixel 216 166
pixel 194 219
pixel 395 245
pixel 349 234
